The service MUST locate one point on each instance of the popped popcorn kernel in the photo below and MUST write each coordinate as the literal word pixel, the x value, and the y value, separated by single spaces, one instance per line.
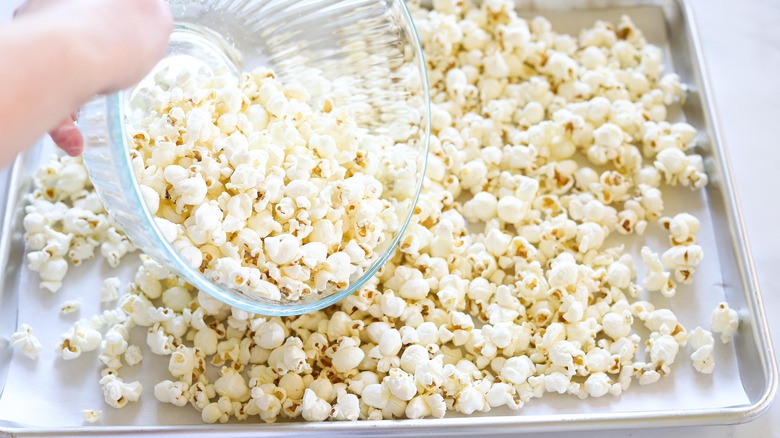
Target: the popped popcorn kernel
pixel 725 321
pixel 27 342
pixel 91 415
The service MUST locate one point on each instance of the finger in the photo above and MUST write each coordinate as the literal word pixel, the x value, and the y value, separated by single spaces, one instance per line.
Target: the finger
pixel 30 6
pixel 25 7
pixel 68 137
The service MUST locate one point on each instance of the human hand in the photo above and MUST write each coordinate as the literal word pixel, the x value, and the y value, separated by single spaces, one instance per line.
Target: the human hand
pixel 120 41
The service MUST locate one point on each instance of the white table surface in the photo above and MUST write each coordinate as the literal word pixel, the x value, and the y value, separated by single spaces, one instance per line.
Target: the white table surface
pixel 741 43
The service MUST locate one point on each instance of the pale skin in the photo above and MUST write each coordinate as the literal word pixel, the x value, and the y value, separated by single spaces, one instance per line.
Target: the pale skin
pixel 56 54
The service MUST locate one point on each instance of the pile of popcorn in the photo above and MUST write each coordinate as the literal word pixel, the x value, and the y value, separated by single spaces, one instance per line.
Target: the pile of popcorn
pixel 263 188
pixel 503 289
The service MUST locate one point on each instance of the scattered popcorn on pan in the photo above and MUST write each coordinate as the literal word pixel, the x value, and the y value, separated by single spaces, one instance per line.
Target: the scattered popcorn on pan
pixel 546 149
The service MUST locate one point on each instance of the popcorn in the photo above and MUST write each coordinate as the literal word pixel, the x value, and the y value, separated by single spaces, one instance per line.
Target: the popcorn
pixel 376 395
pixel 110 290
pixel 414 289
pixel 117 393
pixel 430 374
pixel 702 344
pixel 176 298
pixel 556 382
pixel 347 359
pixel 91 415
pixel 290 357
pixel 49 261
pixel 656 278
pixel 183 362
pixel 683 259
pixel 79 338
pixel 503 394
pixel 400 384
pixel 324 389
pixel 115 247
pixel 206 340
pixel 413 356
pixel 314 408
pixel 113 345
pixel 347 407
pixel 598 384
pixel 471 399
pixel 232 385
pixel 27 342
pixel 70 306
pixel 171 392
pixel 217 411
pixel 517 370
pixel 390 343
pixel 133 355
pixel 663 350
pixel 482 207
pixel 158 341
pixel 725 321
pixel 269 335
pixel 293 386
pixel 617 325
pixel 682 228
pixel 267 405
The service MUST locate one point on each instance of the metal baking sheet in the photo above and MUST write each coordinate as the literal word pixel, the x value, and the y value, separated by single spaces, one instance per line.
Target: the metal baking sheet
pixel 46 396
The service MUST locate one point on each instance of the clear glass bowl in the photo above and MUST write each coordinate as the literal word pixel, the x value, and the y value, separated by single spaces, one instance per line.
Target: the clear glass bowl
pixel 369 51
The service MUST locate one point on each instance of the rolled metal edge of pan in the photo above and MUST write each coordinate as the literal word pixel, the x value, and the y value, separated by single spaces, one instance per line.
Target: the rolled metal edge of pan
pixel 757 318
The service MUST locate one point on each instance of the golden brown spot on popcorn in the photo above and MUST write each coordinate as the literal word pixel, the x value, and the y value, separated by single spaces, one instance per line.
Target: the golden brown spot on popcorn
pixel 543 58
pixel 66 345
pixel 623 32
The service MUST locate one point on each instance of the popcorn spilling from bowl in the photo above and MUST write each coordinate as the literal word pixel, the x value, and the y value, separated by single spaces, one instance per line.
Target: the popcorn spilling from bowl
pixel 504 287
pixel 262 188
